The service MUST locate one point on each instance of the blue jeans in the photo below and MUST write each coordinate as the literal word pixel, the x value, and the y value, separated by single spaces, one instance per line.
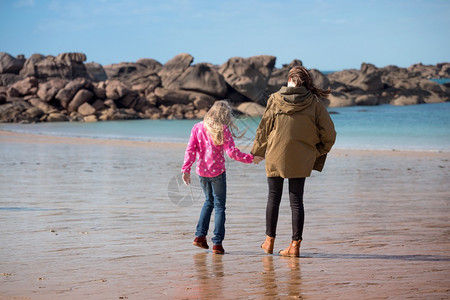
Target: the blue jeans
pixel 215 189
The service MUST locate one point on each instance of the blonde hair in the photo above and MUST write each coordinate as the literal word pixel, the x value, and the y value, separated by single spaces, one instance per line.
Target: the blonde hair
pixel 220 114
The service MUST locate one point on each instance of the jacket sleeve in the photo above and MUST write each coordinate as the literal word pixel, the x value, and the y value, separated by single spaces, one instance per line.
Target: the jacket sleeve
pixel 263 130
pixel 325 125
pixel 191 152
pixel 232 151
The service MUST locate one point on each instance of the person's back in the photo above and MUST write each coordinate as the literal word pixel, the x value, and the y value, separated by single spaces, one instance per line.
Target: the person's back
pixel 294 135
pixel 293 146
pixel 209 140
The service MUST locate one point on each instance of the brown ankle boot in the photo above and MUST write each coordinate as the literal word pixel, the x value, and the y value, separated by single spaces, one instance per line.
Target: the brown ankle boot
pixel 200 241
pixel 292 250
pixel 218 249
pixel 268 244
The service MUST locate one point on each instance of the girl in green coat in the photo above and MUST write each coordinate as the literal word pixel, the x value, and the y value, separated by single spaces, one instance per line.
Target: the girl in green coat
pixel 294 136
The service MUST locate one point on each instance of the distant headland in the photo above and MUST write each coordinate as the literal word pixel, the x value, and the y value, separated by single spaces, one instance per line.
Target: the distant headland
pixel 65 88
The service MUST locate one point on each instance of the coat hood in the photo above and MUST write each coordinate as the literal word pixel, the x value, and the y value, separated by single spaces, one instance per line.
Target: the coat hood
pixel 293 99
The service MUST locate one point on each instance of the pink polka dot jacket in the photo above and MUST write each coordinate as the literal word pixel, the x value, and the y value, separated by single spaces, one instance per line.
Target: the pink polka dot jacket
pixel 211 160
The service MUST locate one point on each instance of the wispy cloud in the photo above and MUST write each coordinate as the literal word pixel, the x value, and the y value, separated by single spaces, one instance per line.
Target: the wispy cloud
pixel 23 3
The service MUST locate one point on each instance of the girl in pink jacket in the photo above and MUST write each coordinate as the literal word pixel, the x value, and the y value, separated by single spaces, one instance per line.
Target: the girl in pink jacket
pixel 209 140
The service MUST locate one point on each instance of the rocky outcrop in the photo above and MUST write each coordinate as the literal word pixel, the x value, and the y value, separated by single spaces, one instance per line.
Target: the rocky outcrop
pixel 389 85
pixel 10 64
pixel 64 88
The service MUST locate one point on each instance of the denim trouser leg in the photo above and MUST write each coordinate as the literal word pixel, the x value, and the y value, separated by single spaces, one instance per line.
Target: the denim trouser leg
pixel 215 189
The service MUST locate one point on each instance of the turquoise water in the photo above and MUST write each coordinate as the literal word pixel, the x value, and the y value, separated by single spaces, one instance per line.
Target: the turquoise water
pixel 441 80
pixel 417 127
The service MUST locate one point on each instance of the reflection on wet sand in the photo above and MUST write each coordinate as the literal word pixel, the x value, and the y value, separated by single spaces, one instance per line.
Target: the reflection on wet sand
pixel 209 272
pixel 275 280
pixel 295 279
pixel 269 277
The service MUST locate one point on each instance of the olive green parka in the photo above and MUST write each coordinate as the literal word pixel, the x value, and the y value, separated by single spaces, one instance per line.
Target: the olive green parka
pixel 295 133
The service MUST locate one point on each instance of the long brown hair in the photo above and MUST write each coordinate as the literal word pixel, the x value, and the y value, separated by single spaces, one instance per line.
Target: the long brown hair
pixel 301 77
pixel 218 115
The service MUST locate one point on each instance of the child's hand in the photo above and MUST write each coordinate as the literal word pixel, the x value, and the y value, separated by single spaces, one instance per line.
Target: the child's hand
pixel 257 159
pixel 186 178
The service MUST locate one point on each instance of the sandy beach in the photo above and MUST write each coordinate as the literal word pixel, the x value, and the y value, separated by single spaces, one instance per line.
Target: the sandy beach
pixel 110 219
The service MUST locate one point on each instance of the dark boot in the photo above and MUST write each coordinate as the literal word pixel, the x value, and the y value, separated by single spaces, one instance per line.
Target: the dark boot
pixel 218 249
pixel 201 242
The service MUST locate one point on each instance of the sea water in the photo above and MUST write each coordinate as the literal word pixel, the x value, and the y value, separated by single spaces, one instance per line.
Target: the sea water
pixel 424 127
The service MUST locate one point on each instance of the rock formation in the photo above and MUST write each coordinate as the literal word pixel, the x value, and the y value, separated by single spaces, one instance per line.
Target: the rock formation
pixel 64 88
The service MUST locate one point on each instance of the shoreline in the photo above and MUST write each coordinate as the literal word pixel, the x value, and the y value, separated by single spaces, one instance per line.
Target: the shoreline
pixel 13 136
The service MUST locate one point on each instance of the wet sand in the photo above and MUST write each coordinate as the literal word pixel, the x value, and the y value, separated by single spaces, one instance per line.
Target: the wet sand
pixel 95 219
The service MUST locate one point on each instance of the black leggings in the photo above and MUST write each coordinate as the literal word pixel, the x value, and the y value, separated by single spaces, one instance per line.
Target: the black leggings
pixel 296 187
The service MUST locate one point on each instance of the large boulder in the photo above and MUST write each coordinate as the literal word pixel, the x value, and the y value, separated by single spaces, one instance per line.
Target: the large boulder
pixel 444 70
pixel 48 90
pixel 249 76
pixel 130 100
pixel 150 64
pixel 14 111
pixel 122 71
pixel 82 96
pixel 86 109
pixel 27 86
pixel 96 72
pixel 9 79
pixel 99 89
pixel 10 64
pixel 116 89
pixel 345 77
pixel 172 69
pixel 396 77
pixel 57 117
pixel 201 78
pixel 435 98
pixel 125 71
pixel 369 78
pixel 29 67
pixel 147 78
pixel 407 100
pixel 75 62
pixel 65 95
pixel 366 100
pixel 336 99
pixel 65 65
pixel 44 106
pixel 170 97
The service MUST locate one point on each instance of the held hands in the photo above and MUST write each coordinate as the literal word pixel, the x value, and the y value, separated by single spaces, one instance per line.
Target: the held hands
pixel 186 178
pixel 257 159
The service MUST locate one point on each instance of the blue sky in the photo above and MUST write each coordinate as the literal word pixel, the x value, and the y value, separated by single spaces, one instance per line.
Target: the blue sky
pixel 324 34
